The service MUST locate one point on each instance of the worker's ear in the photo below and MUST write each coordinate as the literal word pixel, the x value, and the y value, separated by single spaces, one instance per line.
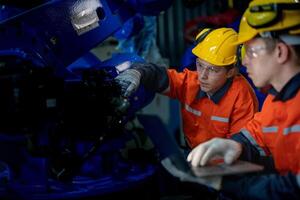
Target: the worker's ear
pixel 282 52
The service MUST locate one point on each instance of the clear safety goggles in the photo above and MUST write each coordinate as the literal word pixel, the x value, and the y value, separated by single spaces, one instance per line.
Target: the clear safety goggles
pixel 210 69
pixel 252 52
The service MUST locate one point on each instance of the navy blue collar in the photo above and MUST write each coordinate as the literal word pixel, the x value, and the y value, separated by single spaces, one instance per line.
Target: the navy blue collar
pixel 288 91
pixel 217 96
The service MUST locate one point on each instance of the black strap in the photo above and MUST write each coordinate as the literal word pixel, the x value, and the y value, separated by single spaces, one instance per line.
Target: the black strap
pixel 154 77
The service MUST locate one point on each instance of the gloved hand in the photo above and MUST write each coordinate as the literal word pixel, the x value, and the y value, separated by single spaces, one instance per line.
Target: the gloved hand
pixel 129 80
pixel 226 148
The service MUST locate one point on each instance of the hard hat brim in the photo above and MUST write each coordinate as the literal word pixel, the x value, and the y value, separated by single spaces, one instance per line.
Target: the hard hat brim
pixel 246 32
pixel 242 38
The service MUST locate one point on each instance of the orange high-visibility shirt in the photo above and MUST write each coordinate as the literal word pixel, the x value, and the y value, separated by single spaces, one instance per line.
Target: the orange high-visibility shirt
pixel 276 129
pixel 203 118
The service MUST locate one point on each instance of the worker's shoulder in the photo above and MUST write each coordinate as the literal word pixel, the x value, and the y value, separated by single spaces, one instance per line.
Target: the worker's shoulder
pixel 240 83
pixel 189 75
pixel 241 87
pixel 185 72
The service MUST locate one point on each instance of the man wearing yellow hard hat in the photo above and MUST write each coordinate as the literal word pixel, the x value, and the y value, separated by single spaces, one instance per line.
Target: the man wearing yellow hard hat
pixel 215 100
pixel 270 34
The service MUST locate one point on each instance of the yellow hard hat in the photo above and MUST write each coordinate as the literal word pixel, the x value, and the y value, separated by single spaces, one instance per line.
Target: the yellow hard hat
pixel 270 16
pixel 215 46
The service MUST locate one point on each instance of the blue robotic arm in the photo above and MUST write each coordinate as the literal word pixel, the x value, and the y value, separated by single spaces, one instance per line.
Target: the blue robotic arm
pixel 51 89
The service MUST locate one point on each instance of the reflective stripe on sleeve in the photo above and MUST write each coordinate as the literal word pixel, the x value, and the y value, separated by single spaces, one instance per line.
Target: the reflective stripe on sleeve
pixel 298 180
pixel 191 110
pixel 246 133
pixel 270 129
pixel 291 129
pixel 220 119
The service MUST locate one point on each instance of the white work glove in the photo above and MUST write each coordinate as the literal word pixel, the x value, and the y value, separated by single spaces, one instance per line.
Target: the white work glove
pixel 129 80
pixel 228 149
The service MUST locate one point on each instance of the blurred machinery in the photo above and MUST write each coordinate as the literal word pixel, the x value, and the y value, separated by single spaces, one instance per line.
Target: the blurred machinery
pixel 62 118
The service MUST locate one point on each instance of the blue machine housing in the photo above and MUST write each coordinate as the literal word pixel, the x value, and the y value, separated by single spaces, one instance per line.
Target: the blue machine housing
pixel 62 113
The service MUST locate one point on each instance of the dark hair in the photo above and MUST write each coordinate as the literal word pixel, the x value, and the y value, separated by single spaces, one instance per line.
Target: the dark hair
pixel 271 43
pixel 297 51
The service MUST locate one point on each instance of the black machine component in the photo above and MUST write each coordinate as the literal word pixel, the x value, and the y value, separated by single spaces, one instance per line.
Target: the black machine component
pixel 28 94
pixel 62 127
pixel 22 4
pixel 36 102
pixel 94 107
pixel 64 120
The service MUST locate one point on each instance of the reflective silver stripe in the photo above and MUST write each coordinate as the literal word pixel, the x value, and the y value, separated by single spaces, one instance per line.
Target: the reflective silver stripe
pixel 195 112
pixel 298 180
pixel 246 133
pixel 295 128
pixel 220 119
pixel 270 129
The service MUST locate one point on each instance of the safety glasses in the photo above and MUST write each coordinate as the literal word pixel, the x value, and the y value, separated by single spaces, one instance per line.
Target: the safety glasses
pixel 268 14
pixel 252 52
pixel 210 69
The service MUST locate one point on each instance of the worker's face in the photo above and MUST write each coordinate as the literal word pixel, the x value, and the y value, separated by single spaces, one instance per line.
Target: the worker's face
pixel 211 78
pixel 259 62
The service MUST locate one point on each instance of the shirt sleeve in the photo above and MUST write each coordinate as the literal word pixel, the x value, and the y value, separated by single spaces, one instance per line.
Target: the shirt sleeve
pixel 252 154
pixel 262 186
pixel 245 107
pixel 253 130
pixel 180 82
